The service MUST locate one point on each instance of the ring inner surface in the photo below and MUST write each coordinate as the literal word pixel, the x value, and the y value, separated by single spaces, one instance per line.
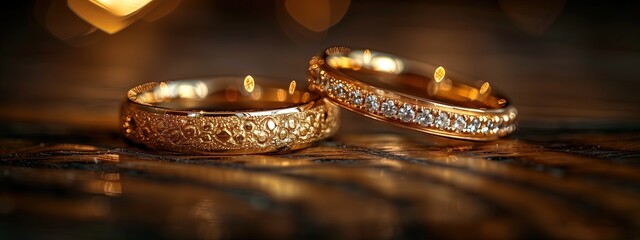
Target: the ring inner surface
pixel 414 79
pixel 225 94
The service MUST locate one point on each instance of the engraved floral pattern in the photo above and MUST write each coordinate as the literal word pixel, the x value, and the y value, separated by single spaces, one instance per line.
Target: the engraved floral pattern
pixel 213 134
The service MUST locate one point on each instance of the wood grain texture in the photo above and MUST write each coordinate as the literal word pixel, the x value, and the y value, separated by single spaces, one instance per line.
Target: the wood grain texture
pixel 398 184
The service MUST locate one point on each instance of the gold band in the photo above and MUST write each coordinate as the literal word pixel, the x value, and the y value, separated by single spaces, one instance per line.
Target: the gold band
pixel 223 116
pixel 411 94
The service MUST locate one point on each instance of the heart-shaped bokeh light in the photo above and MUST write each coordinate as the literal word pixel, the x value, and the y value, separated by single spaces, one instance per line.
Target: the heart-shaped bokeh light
pixel 121 8
pixel 112 16
pixel 78 22
pixel 317 15
pixel 533 17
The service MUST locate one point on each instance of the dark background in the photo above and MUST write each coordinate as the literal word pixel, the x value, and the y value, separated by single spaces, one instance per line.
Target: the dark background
pixel 570 64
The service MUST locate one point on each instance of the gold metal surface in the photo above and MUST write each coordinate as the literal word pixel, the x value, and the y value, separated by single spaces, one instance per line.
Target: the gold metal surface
pixel 397 91
pixel 197 116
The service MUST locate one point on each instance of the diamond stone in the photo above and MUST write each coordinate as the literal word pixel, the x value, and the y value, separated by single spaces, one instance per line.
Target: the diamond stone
pixel 442 121
pixel 338 90
pixel 497 126
pixel 326 84
pixel 487 127
pixel 460 124
pixel 474 125
pixel 389 108
pixel 424 118
pixel 356 97
pixel 406 113
pixel 371 103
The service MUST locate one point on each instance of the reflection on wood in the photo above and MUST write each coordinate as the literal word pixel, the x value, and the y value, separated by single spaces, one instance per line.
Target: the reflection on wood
pixel 373 186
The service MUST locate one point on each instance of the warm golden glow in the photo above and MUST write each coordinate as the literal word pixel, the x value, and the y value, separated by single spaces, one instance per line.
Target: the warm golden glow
pixel 111 176
pixel 317 15
pixel 112 188
pixel 169 90
pixel 438 74
pixel 196 89
pixel 532 17
pixel 231 93
pixel 340 62
pixel 121 8
pixel 446 85
pixel 249 84
pixel 472 94
pixel 281 94
pixel 386 64
pixel 66 25
pixel 292 87
pixel 305 97
pixel 112 16
pixel 161 92
pixel 257 93
pixel 366 57
pixel 108 16
pixel 485 88
pixel 161 9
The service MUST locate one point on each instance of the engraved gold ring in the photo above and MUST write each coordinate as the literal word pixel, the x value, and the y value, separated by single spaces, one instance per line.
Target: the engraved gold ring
pixel 411 94
pixel 226 115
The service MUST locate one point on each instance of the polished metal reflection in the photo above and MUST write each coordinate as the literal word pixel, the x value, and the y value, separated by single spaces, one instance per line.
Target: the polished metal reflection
pixel 201 89
pixel 402 75
pixel 367 59
pixel 249 83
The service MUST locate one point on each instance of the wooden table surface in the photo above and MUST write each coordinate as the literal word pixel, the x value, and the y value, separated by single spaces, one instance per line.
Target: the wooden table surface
pixel 571 171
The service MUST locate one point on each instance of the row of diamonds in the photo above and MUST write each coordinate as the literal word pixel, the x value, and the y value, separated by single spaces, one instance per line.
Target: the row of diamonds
pixel 409 113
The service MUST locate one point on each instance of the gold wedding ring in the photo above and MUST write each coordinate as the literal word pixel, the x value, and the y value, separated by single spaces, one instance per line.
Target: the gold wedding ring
pixel 411 94
pixel 227 115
